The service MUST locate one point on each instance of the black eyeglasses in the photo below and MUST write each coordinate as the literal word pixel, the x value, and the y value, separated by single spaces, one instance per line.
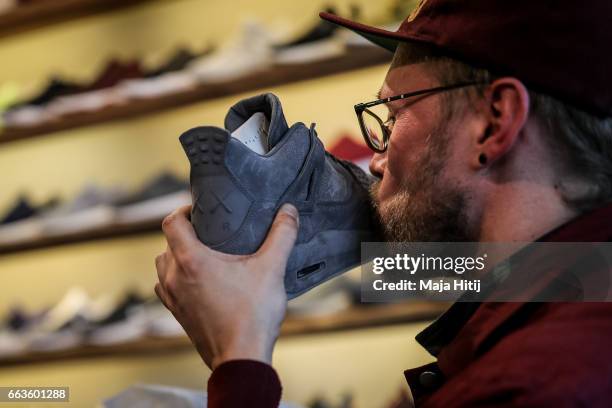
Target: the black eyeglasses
pixel 376 132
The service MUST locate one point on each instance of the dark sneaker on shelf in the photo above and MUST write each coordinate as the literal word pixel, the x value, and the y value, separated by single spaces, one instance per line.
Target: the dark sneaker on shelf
pixel 178 61
pixel 23 222
pixel 126 322
pixel 236 192
pixel 158 198
pixel 320 42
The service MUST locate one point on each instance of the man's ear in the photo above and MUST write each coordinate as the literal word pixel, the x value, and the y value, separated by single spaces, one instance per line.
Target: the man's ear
pixel 506 108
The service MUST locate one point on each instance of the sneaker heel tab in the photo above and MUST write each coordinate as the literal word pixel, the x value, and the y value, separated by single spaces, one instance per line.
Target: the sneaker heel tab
pixel 267 103
pixel 202 133
pixel 205 145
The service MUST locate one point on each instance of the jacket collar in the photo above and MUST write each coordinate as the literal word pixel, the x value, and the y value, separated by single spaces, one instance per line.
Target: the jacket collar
pixel 467 327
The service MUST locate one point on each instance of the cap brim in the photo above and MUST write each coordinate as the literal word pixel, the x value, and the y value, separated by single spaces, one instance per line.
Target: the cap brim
pixel 380 37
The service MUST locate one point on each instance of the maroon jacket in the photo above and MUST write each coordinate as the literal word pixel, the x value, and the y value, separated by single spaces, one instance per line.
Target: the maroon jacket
pixel 488 354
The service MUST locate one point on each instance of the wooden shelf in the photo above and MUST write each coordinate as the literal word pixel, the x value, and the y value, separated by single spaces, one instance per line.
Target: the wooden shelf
pixel 107 232
pixel 355 58
pixel 358 317
pixel 41 13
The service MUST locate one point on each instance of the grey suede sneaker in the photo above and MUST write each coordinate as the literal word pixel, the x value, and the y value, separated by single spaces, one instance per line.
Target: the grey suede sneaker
pixel 236 192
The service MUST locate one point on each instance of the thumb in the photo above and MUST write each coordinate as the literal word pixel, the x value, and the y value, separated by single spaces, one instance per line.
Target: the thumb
pixel 282 235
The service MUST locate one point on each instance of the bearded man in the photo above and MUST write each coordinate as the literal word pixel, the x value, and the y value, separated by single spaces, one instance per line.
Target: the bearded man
pixel 497 128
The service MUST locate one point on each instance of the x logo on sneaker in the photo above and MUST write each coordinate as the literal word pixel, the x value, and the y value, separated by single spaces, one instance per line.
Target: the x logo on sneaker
pixel 220 202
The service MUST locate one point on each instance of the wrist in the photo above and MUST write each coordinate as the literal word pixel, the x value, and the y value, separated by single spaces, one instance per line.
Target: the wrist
pixel 232 355
pixel 244 350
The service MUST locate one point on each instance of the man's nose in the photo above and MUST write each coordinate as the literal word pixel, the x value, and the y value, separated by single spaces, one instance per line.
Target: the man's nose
pixel 378 164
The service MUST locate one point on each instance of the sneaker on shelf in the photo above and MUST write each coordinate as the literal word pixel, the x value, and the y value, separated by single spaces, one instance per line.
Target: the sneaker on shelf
pixel 85 102
pixel 101 93
pixel 165 84
pixel 92 208
pixel 127 321
pixel 158 198
pixel 35 111
pixel 64 325
pixel 249 52
pixel 13 333
pixel 320 42
pixel 55 88
pixel 177 62
pixel 169 78
pixel 23 222
pixel 237 193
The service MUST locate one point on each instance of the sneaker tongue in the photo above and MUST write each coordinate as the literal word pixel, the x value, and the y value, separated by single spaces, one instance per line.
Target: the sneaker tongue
pixel 254 133
pixel 268 105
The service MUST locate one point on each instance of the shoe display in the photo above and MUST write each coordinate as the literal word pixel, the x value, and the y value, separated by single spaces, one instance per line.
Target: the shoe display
pixel 320 42
pixel 57 87
pixel 34 111
pixel 92 208
pixel 126 322
pixel 177 62
pixel 158 198
pixel 236 193
pixel 22 222
pixel 21 209
pixel 250 51
pixel 100 93
pixel 171 77
pixel 12 333
pixel 63 326
pixel 114 73
pixel 164 84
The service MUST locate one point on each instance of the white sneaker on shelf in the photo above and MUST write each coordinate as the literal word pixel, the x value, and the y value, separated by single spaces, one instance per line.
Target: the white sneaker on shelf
pixel 11 344
pixel 86 102
pixel 166 84
pixel 62 327
pixel 27 116
pixel 251 51
pixel 25 230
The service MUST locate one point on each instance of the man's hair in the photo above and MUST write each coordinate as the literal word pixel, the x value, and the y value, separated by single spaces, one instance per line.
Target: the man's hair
pixel 583 142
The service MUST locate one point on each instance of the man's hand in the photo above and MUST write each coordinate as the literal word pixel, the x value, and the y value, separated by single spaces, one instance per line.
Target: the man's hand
pixel 231 306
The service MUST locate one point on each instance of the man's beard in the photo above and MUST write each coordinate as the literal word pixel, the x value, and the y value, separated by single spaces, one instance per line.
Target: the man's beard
pixel 427 208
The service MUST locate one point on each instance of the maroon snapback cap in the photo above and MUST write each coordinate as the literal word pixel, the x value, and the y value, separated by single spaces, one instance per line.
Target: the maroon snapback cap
pixel 558 47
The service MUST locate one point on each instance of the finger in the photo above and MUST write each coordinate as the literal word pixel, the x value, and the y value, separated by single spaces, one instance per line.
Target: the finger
pixel 161 266
pixel 282 235
pixel 159 291
pixel 179 232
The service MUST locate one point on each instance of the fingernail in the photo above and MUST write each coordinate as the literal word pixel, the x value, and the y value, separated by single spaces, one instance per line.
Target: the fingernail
pixel 290 210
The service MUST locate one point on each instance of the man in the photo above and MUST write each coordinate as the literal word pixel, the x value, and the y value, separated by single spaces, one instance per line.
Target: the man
pixel 505 136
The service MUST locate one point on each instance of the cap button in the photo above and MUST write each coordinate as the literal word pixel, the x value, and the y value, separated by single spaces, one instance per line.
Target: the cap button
pixel 428 379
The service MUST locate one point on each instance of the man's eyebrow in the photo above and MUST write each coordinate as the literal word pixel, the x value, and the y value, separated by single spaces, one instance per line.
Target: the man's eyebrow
pixel 379 93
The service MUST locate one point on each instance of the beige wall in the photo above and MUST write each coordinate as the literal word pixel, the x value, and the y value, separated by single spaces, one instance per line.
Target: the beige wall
pixel 368 362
